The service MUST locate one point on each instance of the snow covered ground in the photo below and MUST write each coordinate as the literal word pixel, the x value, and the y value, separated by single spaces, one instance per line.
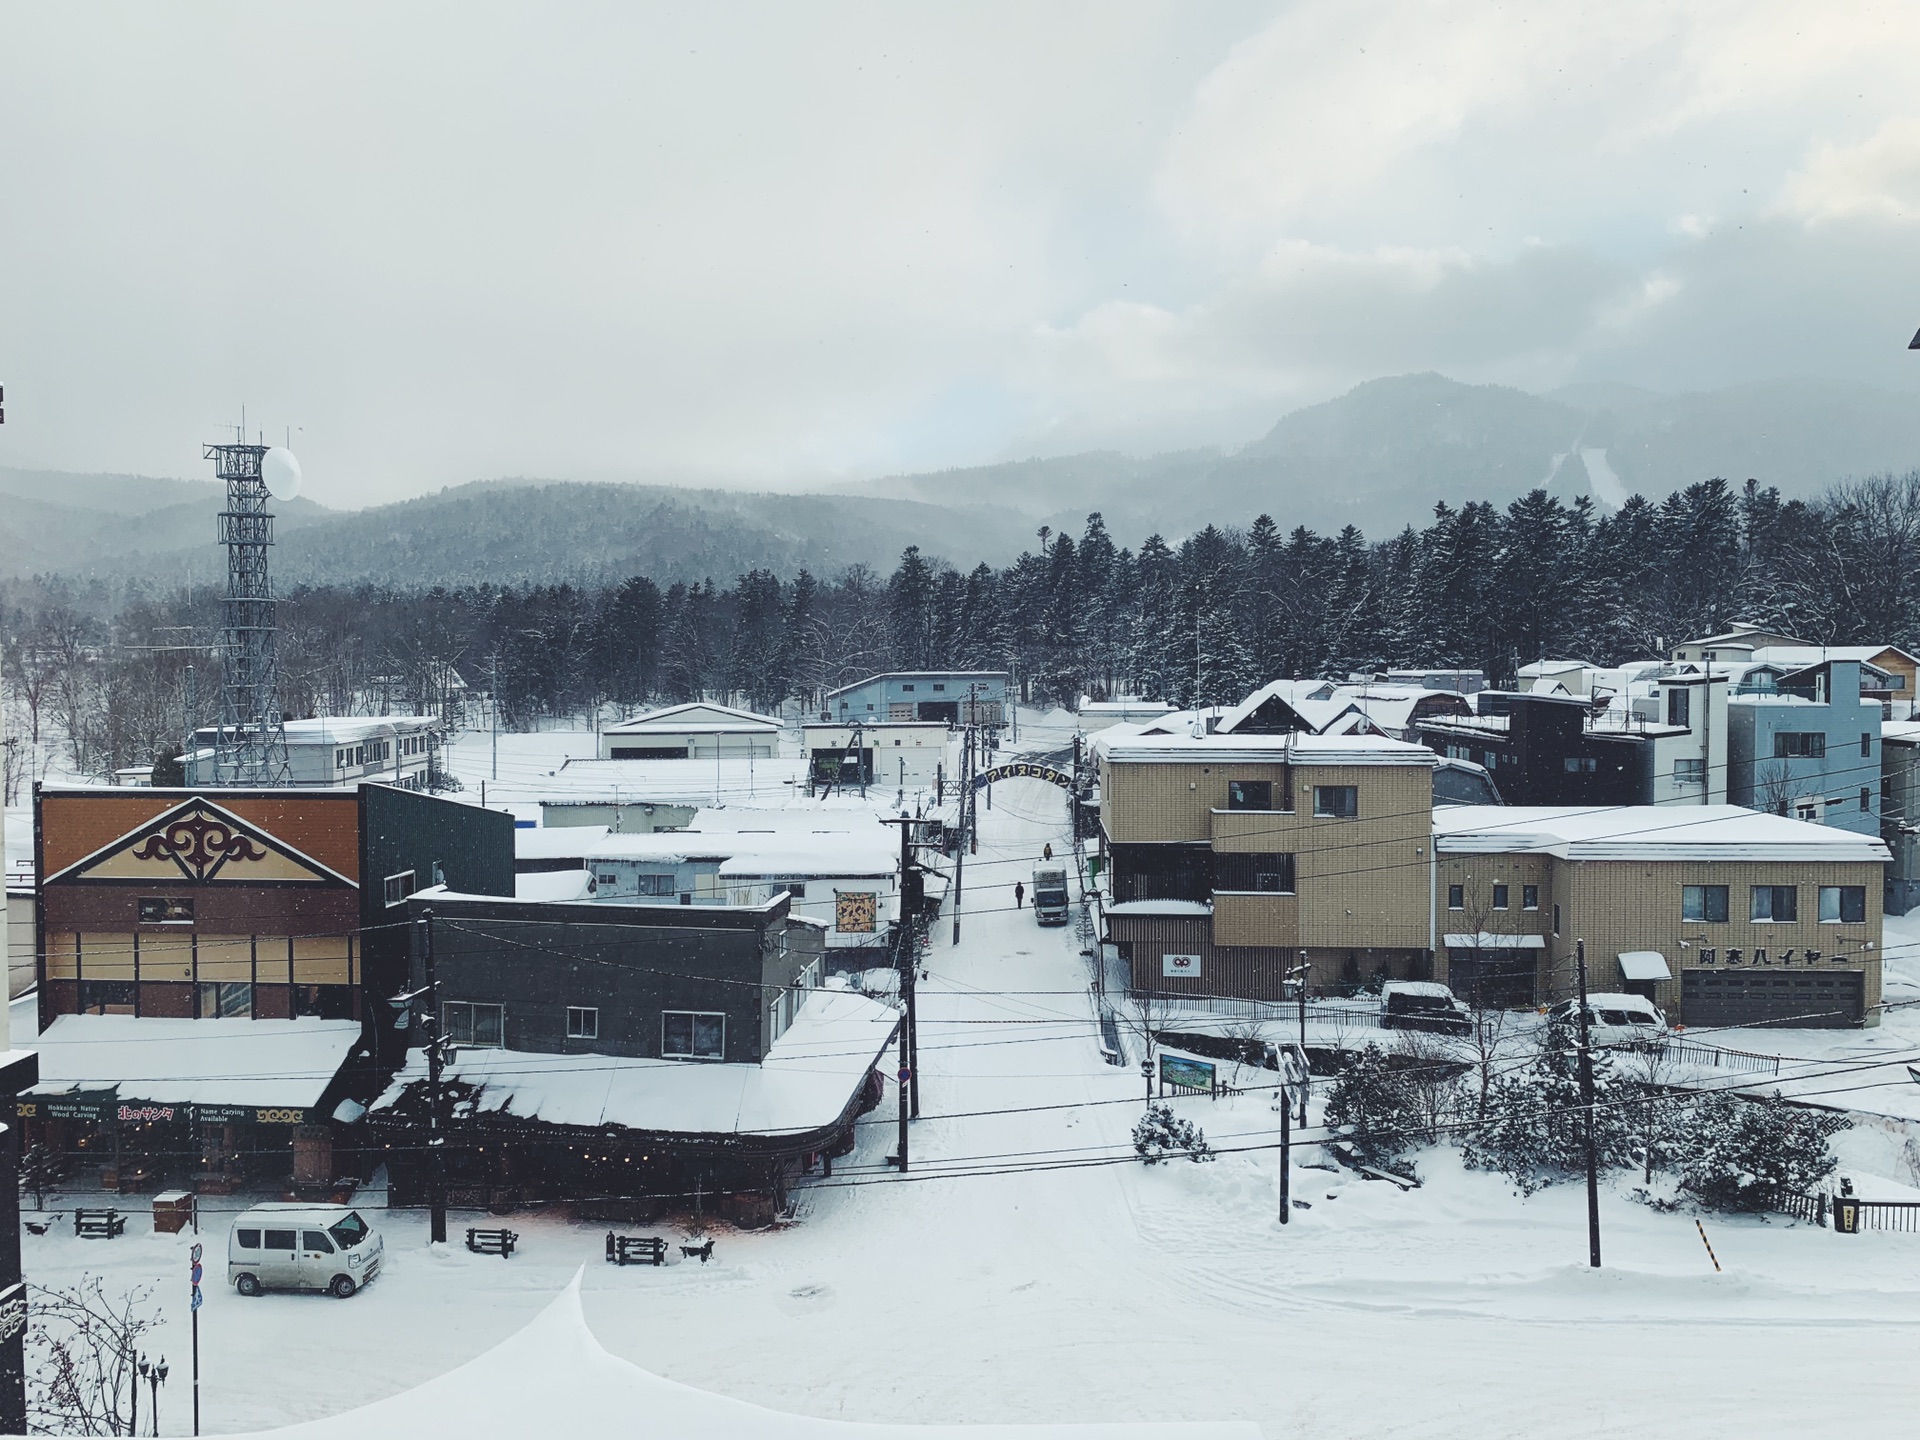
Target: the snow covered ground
pixel 1016 1274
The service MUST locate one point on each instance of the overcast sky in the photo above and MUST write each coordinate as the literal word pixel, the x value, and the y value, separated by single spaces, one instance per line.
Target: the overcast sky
pixel 798 243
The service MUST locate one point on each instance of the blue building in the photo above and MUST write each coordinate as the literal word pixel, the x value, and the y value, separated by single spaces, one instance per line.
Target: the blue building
pixel 1805 744
pixel 959 697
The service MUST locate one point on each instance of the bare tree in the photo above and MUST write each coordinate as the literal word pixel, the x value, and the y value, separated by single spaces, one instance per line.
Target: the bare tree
pixel 80 1357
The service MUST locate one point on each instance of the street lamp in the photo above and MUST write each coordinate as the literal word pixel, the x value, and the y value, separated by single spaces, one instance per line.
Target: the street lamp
pixel 155 1375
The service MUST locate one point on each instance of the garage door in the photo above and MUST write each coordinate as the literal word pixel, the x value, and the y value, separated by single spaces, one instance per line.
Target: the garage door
pixel 1801 1001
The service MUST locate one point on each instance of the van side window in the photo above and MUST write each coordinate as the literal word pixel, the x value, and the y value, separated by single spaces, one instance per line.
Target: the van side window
pixel 280 1240
pixel 247 1239
pixel 317 1240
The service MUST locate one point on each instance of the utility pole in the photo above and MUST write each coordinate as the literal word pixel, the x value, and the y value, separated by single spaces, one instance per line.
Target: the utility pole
pixel 1286 1156
pixel 966 799
pixel 493 710
pixel 1586 1101
pixel 906 957
pixel 436 1141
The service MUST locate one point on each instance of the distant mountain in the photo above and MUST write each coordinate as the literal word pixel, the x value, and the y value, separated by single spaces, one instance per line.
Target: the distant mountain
pixel 1379 457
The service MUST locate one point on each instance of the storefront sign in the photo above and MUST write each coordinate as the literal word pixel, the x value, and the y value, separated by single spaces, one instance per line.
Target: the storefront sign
pixel 1185 967
pixel 856 913
pixel 1185 1074
pixel 1023 770
pixel 74 1107
pixel 280 1115
pixel 137 1113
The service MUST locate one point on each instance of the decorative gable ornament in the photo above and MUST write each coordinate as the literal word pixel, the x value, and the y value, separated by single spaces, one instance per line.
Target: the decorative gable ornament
pixel 201 843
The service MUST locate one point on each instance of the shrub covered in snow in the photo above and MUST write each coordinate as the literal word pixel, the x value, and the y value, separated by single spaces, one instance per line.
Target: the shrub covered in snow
pixel 1377 1106
pixel 1534 1130
pixel 1740 1154
pixel 1161 1134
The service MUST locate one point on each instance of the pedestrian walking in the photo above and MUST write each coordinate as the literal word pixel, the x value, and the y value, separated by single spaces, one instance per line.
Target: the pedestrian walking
pixel 1019 895
pixel 1047 853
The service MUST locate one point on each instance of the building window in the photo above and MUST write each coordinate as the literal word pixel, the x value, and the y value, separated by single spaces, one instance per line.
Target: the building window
pixel 1866 797
pixel 1679 706
pixel 1581 765
pixel 1456 897
pixel 1249 795
pixel 653 884
pixel 1500 896
pixel 693 1035
pixel 938 689
pixel 399 887
pixel 1775 904
pixel 796 888
pixel 906 689
pixel 1807 810
pixel 165 910
pixel 469 1023
pixel 225 1000
pixel 1338 802
pixel 1799 745
pixel 583 1022
pixel 608 880
pixel 1556 919
pixel 1270 874
pixel 1843 904
pixel 1690 772
pixel 1866 746
pixel 1529 897
pixel 1705 903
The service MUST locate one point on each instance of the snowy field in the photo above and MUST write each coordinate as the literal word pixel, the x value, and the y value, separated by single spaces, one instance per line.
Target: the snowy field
pixel 1016 1275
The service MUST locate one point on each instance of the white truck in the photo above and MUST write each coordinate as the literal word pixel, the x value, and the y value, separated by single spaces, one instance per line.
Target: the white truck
pixel 1050 894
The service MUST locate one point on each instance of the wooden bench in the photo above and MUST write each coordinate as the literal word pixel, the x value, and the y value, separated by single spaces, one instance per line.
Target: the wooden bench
pixel 492 1242
pixel 703 1253
pixel 98 1224
pixel 635 1249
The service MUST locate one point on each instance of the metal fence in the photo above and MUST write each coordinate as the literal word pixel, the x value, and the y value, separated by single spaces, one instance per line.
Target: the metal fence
pixel 1875 1215
pixel 1811 1208
pixel 1720 1057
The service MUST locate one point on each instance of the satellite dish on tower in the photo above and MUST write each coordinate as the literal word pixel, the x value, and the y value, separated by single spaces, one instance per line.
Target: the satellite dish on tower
pixel 280 473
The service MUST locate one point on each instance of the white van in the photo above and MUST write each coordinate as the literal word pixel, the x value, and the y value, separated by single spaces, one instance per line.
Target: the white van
pixel 1615 1019
pixel 302 1247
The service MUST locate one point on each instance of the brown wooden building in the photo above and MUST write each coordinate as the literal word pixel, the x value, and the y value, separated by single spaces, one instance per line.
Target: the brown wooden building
pixel 276 905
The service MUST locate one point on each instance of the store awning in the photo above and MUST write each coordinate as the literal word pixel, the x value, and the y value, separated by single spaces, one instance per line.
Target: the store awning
pixel 1644 965
pixel 1486 940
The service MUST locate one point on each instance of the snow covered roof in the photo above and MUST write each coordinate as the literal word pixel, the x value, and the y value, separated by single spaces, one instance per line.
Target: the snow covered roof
pixel 1646 832
pixel 557 842
pixel 700 717
pixel 869 851
pixel 1643 965
pixel 1429 989
pixel 1159 907
pixel 552 1377
pixel 1903 731
pixel 1801 657
pixel 552 885
pixel 282 1063
pixel 805 1083
pixel 1267 749
pixel 1487 940
pixel 667 782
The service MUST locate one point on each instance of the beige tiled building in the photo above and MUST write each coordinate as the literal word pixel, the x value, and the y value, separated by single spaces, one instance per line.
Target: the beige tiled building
pixel 1720 915
pixel 1229 855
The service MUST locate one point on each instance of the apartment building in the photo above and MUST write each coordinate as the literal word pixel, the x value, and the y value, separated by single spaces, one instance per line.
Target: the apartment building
pixel 1229 855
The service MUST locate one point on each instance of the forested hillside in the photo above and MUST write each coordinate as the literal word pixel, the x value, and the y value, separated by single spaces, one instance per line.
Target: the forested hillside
pixel 1214 615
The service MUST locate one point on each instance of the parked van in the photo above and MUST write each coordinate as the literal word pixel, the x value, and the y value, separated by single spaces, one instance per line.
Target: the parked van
pixel 1422 1005
pixel 302 1247
pixel 1615 1019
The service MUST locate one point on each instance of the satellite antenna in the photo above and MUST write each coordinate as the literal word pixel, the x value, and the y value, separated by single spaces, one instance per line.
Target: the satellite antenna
pixel 280 473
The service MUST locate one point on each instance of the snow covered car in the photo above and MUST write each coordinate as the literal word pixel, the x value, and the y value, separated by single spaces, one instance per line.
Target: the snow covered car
pixel 1615 1019
pixel 1422 1005
pixel 302 1247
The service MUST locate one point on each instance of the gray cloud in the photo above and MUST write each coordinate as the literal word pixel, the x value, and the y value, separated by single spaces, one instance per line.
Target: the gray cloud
pixel 786 244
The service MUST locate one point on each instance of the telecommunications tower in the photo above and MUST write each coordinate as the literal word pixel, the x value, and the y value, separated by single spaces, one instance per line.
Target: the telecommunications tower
pixel 250 744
